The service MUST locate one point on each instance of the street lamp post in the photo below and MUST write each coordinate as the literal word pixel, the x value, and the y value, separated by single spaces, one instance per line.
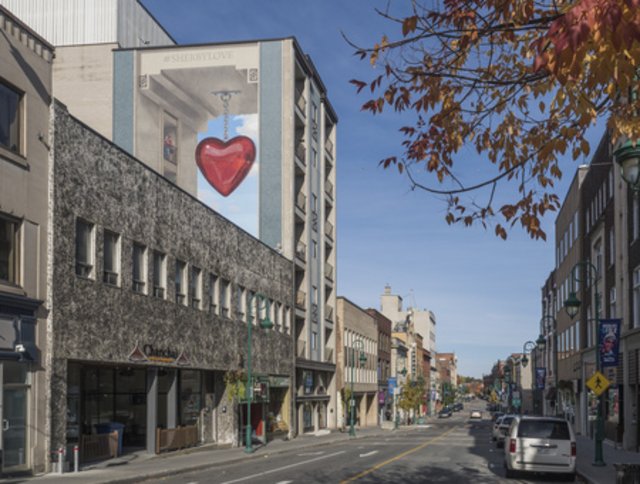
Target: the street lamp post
pixel 627 156
pixel 553 347
pixel 265 323
pixel 528 348
pixel 572 306
pixel 356 345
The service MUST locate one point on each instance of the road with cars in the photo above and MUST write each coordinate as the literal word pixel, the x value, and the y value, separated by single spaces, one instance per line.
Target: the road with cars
pixel 456 449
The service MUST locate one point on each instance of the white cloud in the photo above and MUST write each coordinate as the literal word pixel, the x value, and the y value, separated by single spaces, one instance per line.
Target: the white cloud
pixel 248 125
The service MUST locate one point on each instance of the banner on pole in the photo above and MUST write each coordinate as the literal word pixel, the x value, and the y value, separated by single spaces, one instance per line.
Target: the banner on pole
pixel 541 375
pixel 609 339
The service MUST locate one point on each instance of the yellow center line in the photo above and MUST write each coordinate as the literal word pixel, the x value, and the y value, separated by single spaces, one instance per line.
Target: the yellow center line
pixel 399 456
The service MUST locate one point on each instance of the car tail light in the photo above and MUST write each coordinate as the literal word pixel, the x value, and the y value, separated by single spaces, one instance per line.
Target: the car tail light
pixel 573 449
pixel 512 446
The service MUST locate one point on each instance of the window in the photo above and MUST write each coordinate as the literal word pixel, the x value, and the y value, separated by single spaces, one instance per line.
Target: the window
pixel 139 268
pixel 636 298
pixel 213 294
pixel 84 248
pixel 224 297
pixel 111 266
pixel 576 225
pixel 240 302
pixel 612 302
pixel 250 307
pixel 10 118
pixel 9 245
pixel 612 246
pixel 159 274
pixel 181 269
pixel 314 340
pixel 597 249
pixel 195 287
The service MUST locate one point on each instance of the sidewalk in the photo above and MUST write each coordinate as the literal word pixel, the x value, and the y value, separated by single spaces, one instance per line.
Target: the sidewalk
pixel 140 466
pixel 606 474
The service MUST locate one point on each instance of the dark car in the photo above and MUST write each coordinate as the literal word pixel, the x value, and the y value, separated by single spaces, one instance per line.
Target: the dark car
pixel 445 413
pixel 458 406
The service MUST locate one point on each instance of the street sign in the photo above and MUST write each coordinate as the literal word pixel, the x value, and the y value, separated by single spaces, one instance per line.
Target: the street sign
pixel 598 383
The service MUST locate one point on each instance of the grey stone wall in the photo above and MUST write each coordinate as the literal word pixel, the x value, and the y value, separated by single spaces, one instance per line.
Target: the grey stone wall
pixel 94 321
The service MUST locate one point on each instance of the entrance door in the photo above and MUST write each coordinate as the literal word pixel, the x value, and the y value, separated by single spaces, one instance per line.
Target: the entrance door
pixel 13 413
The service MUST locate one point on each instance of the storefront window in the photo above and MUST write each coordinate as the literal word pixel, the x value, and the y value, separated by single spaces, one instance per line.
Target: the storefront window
pixel 307 381
pixel 190 396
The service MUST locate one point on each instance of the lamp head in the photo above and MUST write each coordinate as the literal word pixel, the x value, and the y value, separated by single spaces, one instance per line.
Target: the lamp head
pixel 541 343
pixel 524 361
pixel 628 157
pixel 266 323
pixel 572 305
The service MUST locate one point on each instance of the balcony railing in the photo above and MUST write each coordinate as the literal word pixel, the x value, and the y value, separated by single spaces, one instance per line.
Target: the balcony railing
pixel 328 355
pixel 301 153
pixel 328 229
pixel 328 188
pixel 301 349
pixel 301 299
pixel 301 201
pixel 328 271
pixel 301 102
pixel 301 251
pixel 328 146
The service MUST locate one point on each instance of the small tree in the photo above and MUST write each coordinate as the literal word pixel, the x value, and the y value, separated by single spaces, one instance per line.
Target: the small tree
pixel 412 395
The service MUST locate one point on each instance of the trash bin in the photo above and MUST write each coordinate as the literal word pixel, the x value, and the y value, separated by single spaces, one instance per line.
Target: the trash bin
pixel 108 427
pixel 627 473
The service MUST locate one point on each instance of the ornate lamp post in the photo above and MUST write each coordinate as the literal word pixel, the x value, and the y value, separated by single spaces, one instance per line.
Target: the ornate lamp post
pixel 572 306
pixel 628 157
pixel 264 324
pixel 528 348
pixel 359 346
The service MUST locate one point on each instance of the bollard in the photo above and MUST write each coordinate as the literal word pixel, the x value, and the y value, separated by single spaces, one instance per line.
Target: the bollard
pixel 60 460
pixel 76 458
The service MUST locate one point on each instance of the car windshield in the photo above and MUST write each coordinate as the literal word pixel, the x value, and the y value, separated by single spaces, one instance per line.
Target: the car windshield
pixel 543 429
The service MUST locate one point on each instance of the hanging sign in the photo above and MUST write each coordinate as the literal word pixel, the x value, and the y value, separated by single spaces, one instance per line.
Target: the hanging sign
pixel 609 339
pixel 541 374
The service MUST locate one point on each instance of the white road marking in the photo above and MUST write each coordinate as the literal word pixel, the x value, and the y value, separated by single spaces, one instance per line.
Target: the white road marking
pixel 271 471
pixel 284 482
pixel 369 453
pixel 310 453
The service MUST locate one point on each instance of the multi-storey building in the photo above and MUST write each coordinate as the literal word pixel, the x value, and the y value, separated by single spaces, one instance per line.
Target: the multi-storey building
pixel 25 96
pixel 385 399
pixel 170 101
pixel 357 364
pixel 447 364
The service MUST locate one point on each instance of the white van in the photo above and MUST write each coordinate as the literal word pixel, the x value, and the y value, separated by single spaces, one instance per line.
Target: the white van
pixel 540 444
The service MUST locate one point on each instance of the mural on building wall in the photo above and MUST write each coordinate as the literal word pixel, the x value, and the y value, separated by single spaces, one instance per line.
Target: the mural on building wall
pixel 207 100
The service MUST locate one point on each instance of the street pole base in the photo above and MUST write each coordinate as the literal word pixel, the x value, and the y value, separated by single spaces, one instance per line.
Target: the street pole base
pixel 599 463
pixel 249 450
pixel 352 433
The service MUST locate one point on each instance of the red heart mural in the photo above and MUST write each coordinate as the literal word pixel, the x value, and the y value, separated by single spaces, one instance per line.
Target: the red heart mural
pixel 225 163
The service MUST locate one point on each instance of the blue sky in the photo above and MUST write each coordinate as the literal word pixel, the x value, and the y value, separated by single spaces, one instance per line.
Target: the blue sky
pixel 485 292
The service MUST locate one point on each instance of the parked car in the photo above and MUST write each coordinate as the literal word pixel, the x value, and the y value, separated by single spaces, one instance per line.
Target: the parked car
pixel 540 444
pixel 475 414
pixel 445 413
pixel 503 429
pixel 495 428
pixel 458 406
pixel 496 415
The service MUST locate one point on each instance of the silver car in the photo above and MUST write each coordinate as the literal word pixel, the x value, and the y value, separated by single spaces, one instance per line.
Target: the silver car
pixel 540 444
pixel 502 429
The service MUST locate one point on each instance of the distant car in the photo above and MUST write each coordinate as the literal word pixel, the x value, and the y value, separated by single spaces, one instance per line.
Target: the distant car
pixel 475 414
pixel 503 429
pixel 445 413
pixel 540 444
pixel 496 415
pixel 457 406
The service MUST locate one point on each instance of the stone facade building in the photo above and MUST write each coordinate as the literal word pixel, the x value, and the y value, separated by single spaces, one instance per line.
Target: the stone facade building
pixel 385 398
pixel 152 295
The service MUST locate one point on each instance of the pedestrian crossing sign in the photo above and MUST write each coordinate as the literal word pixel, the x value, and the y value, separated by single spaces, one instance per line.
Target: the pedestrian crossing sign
pixel 598 383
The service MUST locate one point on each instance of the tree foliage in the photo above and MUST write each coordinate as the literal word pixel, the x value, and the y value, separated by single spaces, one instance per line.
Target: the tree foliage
pixel 412 395
pixel 518 81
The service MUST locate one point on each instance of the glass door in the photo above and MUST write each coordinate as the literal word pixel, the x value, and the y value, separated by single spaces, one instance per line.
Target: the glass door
pixel 14 395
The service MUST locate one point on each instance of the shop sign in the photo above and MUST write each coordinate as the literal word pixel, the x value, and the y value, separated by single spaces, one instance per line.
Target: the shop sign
pixel 279 381
pixel 148 352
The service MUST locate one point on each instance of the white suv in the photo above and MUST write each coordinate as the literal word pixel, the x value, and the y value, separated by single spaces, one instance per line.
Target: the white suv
pixel 540 444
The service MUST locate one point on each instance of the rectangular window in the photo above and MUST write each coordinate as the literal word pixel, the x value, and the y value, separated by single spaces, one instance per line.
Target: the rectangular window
pixel 576 225
pixel 10 118
pixel 213 294
pixel 9 249
pixel 139 268
pixel 250 307
pixel 636 298
pixel 597 248
pixel 181 270
pixel 612 302
pixel 159 274
pixel 612 246
pixel 111 266
pixel 84 248
pixel 240 302
pixel 195 287
pixel 224 298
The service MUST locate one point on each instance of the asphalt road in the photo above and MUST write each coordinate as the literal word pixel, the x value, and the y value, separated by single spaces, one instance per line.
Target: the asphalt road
pixel 455 450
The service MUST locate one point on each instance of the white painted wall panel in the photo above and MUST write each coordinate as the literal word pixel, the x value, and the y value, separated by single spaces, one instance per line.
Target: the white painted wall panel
pixel 74 22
